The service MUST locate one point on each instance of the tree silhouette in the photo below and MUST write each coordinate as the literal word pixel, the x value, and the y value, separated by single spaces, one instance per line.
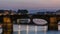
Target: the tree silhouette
pixel 22 11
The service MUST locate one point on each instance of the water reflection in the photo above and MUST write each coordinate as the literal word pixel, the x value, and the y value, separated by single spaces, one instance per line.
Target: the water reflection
pixel 31 30
pixel 58 27
pixel 0 30
pixel 24 29
pixel 42 28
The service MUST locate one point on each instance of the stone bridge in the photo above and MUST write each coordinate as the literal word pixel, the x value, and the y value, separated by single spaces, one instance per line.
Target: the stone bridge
pixel 52 21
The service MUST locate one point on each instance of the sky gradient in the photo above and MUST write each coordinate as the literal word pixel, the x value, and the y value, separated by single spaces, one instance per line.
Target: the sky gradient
pixel 29 4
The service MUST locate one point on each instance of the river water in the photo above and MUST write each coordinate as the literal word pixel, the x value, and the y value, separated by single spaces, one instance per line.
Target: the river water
pixel 29 29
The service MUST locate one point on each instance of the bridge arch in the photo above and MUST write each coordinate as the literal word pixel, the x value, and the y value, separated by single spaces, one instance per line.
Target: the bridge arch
pixel 40 21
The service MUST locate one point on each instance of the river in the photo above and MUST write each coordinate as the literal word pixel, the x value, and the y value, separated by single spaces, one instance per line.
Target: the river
pixel 29 29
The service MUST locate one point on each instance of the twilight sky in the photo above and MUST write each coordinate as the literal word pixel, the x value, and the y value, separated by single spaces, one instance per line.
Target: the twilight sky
pixel 29 4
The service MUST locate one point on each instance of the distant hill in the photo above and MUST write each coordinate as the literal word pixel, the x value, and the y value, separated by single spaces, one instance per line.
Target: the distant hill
pixel 41 10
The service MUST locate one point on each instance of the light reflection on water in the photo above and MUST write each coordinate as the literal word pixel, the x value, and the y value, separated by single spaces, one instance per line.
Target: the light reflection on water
pixel 40 30
pixel 31 27
pixel 31 30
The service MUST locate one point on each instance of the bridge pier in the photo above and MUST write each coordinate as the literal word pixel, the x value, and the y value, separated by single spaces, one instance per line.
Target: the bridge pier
pixel 7 26
pixel 53 25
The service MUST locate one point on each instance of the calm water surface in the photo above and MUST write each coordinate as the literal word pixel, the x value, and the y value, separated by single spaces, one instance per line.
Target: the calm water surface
pixel 24 29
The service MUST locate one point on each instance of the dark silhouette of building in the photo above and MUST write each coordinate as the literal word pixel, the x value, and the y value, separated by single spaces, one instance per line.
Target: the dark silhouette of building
pixel 58 12
pixel 22 11
pixel 1 13
pixel 40 13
